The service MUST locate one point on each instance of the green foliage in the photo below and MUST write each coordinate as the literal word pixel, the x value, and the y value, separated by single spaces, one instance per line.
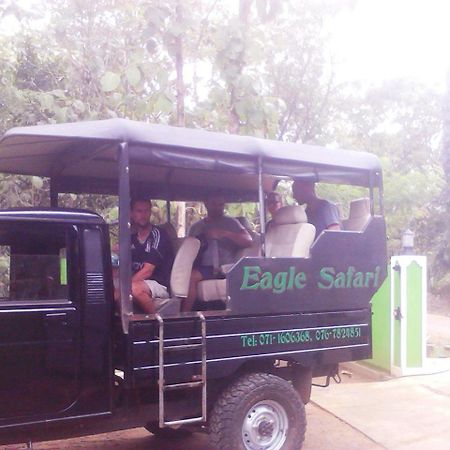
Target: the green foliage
pixel 440 214
pixel 260 69
pixel 248 210
pixel 400 122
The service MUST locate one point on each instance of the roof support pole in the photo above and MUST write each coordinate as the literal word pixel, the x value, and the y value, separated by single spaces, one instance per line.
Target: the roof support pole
pixel 375 181
pixel 168 211
pixel 372 200
pixel 126 305
pixel 380 194
pixel 53 193
pixel 262 208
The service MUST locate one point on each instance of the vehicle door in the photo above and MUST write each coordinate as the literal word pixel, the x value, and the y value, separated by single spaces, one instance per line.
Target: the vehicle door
pixel 39 320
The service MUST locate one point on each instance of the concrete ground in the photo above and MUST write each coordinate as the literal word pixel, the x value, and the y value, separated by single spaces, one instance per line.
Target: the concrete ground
pixel 325 431
pixel 398 413
pixel 402 413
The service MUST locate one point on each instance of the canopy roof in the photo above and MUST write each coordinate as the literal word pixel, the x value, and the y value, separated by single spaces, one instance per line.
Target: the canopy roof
pixel 51 215
pixel 172 162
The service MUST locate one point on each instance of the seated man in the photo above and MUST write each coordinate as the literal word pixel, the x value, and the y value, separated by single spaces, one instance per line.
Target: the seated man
pixel 223 236
pixel 151 256
pixel 323 214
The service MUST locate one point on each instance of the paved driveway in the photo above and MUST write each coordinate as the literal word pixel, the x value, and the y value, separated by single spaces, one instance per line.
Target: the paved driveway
pixel 325 431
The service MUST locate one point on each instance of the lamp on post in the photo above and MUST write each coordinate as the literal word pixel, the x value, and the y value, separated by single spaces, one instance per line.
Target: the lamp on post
pixel 408 242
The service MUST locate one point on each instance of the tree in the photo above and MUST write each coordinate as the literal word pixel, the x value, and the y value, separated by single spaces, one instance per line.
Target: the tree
pixel 399 121
pixel 441 212
pixel 254 67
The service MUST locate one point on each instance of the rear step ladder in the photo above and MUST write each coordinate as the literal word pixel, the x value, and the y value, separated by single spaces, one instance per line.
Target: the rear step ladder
pixel 163 387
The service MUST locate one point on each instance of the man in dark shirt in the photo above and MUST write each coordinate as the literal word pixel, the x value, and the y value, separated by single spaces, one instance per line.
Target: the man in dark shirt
pixel 323 214
pixel 224 236
pixel 151 256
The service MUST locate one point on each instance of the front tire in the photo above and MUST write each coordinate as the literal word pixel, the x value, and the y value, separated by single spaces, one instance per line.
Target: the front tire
pixel 258 411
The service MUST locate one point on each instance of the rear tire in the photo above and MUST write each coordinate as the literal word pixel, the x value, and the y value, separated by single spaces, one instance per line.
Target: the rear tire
pixel 258 411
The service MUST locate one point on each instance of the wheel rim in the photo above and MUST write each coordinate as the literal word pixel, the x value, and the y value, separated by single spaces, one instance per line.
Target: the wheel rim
pixel 265 426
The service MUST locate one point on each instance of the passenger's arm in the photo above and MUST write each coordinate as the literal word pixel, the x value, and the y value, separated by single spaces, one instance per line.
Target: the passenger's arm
pixel 332 219
pixel 241 238
pixel 145 273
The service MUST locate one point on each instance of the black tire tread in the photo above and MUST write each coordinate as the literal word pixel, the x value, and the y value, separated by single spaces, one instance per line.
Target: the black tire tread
pixel 224 410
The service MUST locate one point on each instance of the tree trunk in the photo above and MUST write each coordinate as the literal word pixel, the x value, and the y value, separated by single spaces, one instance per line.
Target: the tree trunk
pixel 244 13
pixel 180 216
pixel 446 139
pixel 179 66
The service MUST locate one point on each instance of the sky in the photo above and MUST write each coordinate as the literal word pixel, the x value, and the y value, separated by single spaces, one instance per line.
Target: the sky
pixel 386 39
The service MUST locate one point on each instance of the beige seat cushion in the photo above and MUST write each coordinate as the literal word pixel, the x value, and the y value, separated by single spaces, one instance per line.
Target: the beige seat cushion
pixel 182 267
pixel 289 234
pixel 359 215
pixel 209 290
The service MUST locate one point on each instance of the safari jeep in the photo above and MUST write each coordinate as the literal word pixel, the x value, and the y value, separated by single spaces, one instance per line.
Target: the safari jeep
pixel 292 308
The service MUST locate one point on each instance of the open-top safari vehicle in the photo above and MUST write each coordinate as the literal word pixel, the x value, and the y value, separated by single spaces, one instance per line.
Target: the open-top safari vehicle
pixel 293 307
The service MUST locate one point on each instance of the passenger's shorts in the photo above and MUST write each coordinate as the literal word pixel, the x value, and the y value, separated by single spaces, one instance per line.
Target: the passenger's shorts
pixel 157 290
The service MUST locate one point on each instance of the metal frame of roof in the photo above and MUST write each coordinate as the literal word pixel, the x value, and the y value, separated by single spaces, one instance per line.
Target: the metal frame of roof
pixel 118 155
pixel 82 157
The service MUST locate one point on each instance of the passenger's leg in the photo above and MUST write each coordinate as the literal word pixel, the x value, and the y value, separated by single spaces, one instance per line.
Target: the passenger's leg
pixel 142 295
pixel 188 303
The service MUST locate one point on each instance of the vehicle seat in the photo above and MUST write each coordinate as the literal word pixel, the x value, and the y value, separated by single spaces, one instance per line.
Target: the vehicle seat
pixel 209 290
pixel 173 236
pixel 290 234
pixel 182 267
pixel 180 276
pixel 359 215
pixel 215 289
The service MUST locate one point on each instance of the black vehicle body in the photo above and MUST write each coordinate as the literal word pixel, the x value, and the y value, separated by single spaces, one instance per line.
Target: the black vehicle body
pixel 62 356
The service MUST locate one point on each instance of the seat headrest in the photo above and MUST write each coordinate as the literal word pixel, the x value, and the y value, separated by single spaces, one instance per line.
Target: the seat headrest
pixel 359 207
pixel 169 229
pixel 290 215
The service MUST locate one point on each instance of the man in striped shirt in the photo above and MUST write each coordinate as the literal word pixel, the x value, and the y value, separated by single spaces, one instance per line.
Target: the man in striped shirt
pixel 151 256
